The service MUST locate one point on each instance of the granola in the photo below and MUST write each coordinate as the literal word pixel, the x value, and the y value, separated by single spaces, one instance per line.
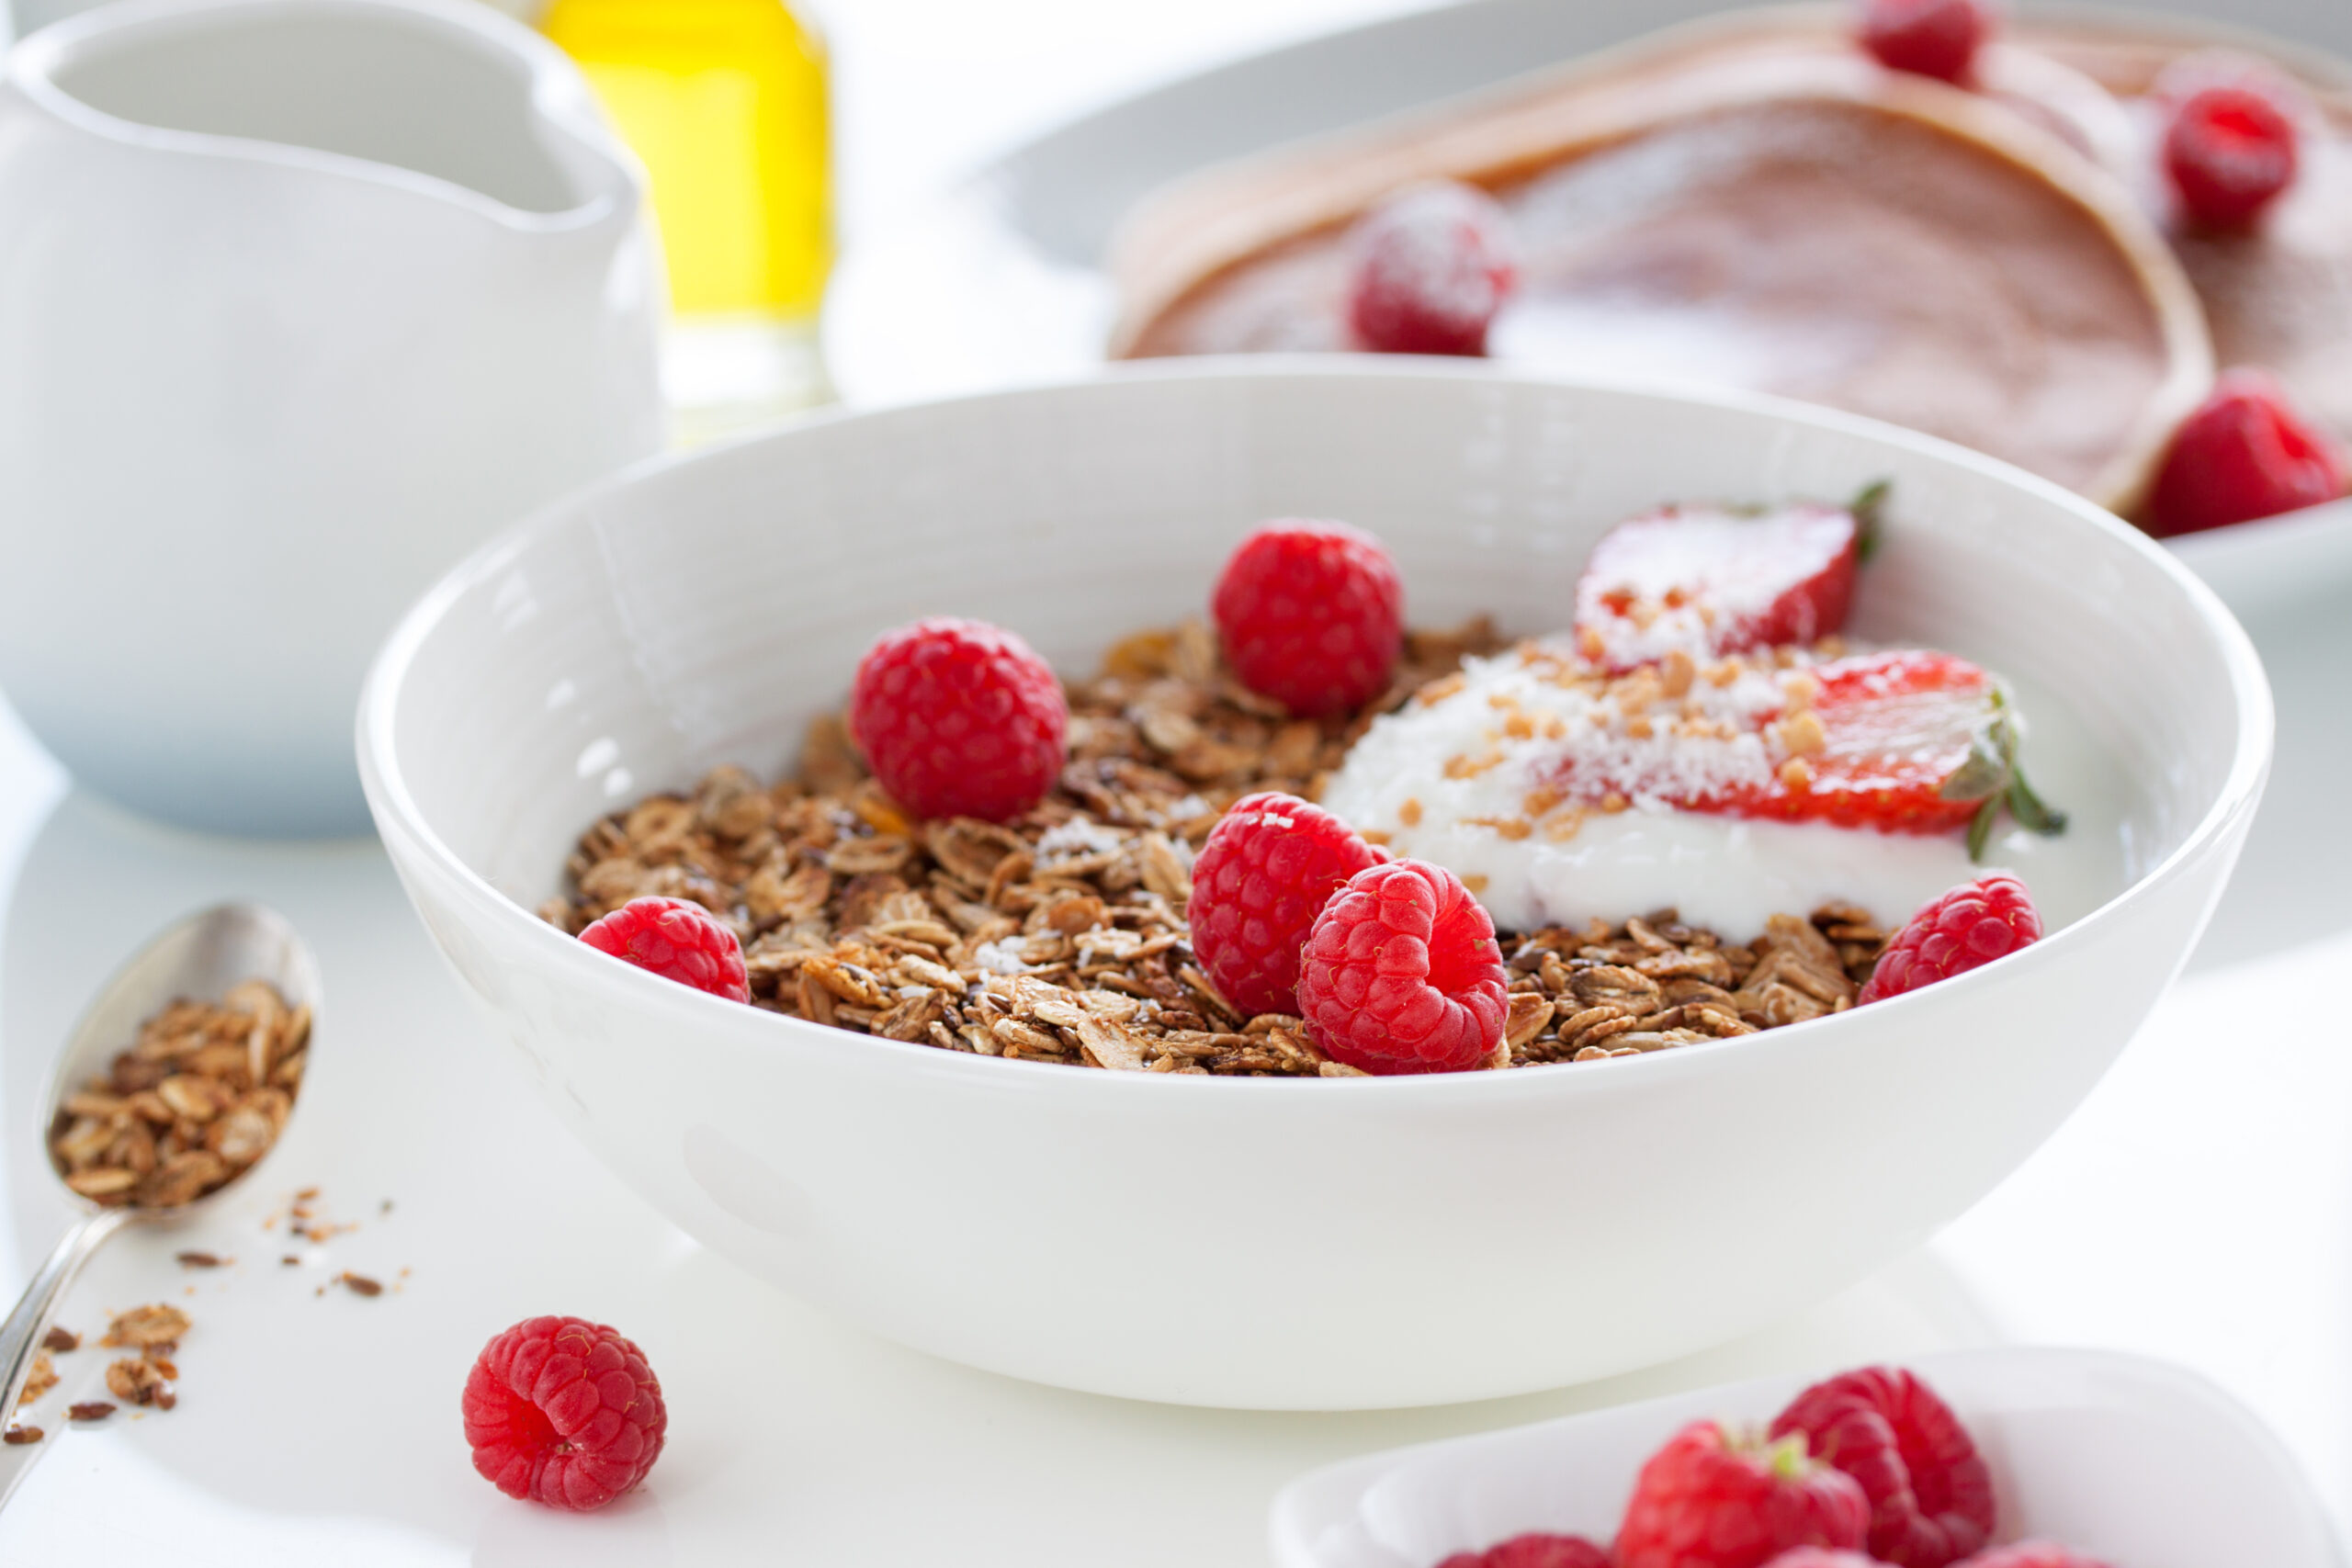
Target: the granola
pixel 158 1328
pixel 196 1099
pixel 148 1377
pixel 40 1380
pixel 1061 936
pixel 142 1380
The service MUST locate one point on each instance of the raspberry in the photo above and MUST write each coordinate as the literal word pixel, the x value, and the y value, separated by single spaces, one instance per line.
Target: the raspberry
pixel 959 718
pixel 2033 1554
pixel 677 940
pixel 1964 928
pixel 1402 973
pixel 1708 1500
pixel 1269 865
pixel 2246 452
pixel 1311 614
pixel 1534 1551
pixel 1931 1497
pixel 1928 38
pixel 563 1411
pixel 2229 150
pixel 1433 265
pixel 1822 1557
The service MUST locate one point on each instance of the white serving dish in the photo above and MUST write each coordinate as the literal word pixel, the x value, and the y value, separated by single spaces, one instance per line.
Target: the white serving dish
pixel 1116 1234
pixel 1000 280
pixel 2139 1463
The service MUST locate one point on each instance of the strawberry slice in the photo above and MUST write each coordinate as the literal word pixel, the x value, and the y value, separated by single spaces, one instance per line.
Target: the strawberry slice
pixel 1907 742
pixel 1708 580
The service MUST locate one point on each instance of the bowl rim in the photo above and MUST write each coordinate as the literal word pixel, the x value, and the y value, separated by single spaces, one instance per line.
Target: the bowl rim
pixel 400 821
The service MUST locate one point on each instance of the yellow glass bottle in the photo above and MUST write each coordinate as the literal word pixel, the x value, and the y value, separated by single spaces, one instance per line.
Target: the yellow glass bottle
pixel 725 102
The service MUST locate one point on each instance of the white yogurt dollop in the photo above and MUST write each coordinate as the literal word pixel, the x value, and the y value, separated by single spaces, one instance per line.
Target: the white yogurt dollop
pixel 1470 781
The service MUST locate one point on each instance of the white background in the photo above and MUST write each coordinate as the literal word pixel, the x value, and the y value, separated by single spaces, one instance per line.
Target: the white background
pixel 2200 1207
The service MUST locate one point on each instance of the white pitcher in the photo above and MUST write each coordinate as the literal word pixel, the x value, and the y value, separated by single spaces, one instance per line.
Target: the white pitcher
pixel 299 299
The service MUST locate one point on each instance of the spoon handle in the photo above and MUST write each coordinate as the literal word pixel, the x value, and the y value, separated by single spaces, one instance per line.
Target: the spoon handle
pixel 20 1335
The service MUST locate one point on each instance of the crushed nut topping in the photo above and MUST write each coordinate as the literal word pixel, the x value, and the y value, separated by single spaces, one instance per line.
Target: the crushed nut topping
pixel 201 1094
pixel 61 1340
pixel 89 1410
pixel 16 1437
pixel 1061 936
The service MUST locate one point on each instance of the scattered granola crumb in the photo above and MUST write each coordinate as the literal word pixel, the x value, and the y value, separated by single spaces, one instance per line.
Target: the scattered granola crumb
pixel 61 1340
pixel 17 1437
pixel 156 1327
pixel 291 1261
pixel 360 1284
pixel 39 1380
pixel 385 1207
pixel 203 1260
pixel 201 1095
pixel 92 1410
pixel 137 1381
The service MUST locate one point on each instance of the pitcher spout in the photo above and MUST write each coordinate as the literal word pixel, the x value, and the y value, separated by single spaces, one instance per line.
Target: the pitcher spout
pixel 446 99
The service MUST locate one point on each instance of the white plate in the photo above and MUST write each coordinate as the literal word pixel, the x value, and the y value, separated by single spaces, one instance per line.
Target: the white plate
pixel 2133 1460
pixel 1000 283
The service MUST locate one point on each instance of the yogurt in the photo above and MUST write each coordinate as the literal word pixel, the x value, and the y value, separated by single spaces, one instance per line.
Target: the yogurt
pixel 1480 774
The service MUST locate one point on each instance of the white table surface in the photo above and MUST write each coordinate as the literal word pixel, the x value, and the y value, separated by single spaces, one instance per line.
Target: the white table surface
pixel 2198 1208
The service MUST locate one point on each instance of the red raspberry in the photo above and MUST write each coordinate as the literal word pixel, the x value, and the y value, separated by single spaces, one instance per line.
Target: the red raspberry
pixel 959 718
pixel 2230 150
pixel 2246 452
pixel 2033 1554
pixel 1708 1500
pixel 1402 974
pixel 677 940
pixel 1311 614
pixel 1269 865
pixel 1433 265
pixel 1822 1557
pixel 1534 1551
pixel 1928 38
pixel 1931 1497
pixel 563 1411
pixel 1964 928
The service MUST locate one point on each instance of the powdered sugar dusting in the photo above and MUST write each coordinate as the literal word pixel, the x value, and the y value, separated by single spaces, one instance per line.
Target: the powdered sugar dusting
pixel 1539 726
pixel 1700 578
pixel 1443 246
pixel 1079 836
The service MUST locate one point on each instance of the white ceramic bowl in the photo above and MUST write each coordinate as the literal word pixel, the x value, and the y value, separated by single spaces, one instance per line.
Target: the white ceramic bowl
pixel 1271 1244
pixel 2127 1460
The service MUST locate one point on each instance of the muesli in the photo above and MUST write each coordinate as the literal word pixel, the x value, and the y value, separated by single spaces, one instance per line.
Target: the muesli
pixel 199 1097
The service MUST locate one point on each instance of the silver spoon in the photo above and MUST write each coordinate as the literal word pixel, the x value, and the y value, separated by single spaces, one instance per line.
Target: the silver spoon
pixel 200 958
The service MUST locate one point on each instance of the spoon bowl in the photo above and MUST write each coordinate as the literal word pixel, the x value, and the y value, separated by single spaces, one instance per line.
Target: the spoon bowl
pixel 202 956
